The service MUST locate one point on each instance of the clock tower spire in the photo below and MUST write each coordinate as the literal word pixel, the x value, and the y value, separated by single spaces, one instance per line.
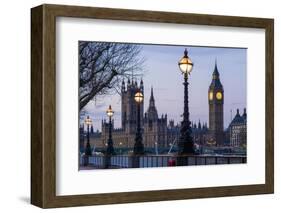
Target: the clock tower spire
pixel 216 100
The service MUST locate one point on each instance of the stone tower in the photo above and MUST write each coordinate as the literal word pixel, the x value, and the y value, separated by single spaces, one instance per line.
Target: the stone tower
pixel 129 106
pixel 155 128
pixel 216 100
pixel 152 111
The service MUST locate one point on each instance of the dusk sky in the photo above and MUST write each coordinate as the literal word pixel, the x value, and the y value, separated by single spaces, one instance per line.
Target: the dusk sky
pixel 162 72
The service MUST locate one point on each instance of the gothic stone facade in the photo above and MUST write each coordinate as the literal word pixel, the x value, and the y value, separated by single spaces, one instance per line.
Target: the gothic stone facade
pixel 154 128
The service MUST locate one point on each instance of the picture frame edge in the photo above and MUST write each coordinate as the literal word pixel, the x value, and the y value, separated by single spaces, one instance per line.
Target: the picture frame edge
pixel 43 103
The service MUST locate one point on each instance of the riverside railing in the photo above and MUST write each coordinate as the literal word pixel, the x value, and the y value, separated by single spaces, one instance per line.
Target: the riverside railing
pixel 145 161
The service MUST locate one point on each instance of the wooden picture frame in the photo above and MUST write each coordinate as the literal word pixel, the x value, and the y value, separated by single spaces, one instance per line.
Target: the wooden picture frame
pixel 43 105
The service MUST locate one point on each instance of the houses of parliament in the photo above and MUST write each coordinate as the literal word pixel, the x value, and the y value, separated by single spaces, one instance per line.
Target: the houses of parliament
pixel 158 131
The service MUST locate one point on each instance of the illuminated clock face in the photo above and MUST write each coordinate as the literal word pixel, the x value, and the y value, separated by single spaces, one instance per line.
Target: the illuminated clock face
pixel 211 95
pixel 219 95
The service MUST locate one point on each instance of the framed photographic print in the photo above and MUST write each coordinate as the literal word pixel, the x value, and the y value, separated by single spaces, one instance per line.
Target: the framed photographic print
pixel 136 106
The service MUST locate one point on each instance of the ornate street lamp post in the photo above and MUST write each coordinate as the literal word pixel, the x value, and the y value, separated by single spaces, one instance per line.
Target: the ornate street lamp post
pixel 88 149
pixel 185 145
pixel 138 147
pixel 110 148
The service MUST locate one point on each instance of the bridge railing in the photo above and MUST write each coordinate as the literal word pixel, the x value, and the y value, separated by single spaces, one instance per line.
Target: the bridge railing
pixel 146 161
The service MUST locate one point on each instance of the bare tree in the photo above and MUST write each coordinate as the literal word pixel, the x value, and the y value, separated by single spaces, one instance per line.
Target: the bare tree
pixel 102 66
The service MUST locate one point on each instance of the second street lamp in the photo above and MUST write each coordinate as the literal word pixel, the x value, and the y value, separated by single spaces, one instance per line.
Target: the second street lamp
pixel 186 145
pixel 138 147
pixel 88 149
pixel 110 149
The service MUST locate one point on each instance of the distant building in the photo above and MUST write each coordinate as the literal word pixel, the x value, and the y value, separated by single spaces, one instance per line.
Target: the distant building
pixel 238 130
pixel 199 133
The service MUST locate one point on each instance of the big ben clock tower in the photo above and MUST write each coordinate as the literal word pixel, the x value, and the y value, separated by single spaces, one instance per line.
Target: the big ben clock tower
pixel 216 98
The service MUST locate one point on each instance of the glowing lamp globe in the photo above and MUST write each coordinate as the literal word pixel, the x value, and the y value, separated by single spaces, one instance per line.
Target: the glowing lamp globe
pixel 138 97
pixel 88 121
pixel 185 64
pixel 109 111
